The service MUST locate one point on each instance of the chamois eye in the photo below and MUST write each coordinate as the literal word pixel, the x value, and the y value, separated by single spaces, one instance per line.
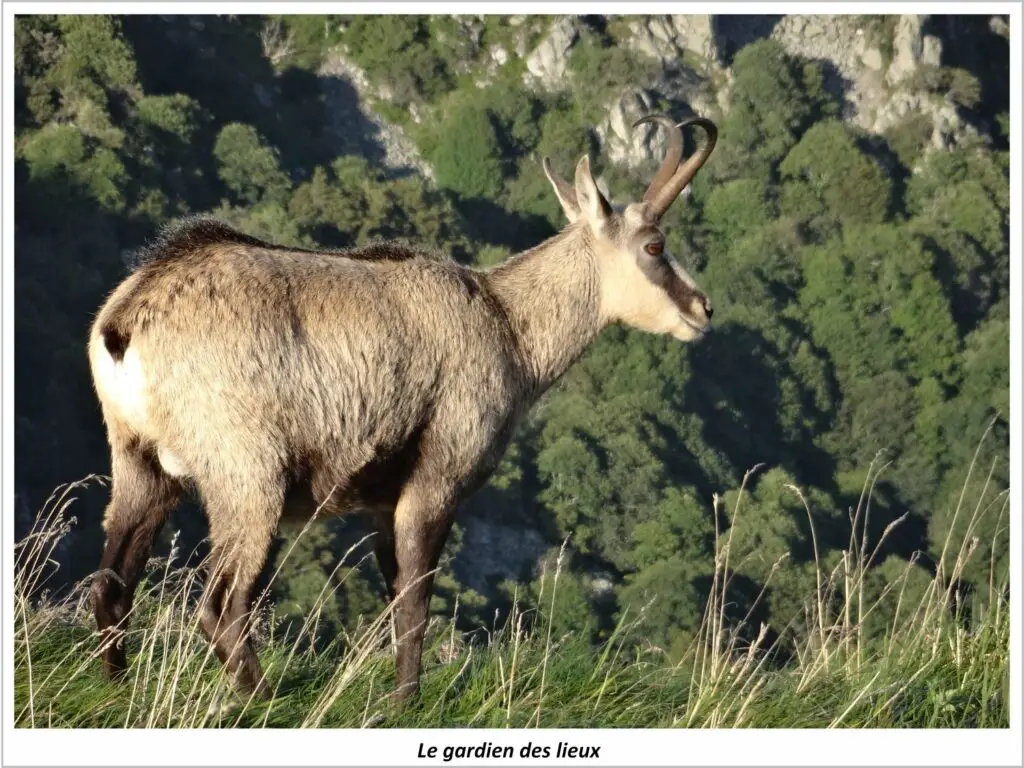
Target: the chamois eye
pixel 654 249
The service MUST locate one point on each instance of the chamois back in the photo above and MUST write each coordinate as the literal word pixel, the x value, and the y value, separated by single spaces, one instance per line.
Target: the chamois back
pixel 195 234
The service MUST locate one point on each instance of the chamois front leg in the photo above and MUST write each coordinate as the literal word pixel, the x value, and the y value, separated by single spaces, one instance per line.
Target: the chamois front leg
pixel 384 548
pixel 423 519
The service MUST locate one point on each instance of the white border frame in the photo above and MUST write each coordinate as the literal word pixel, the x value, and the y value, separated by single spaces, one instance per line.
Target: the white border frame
pixel 109 747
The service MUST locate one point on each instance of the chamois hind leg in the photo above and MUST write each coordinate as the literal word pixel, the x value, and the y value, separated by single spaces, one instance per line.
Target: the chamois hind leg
pixel 423 519
pixel 142 495
pixel 241 530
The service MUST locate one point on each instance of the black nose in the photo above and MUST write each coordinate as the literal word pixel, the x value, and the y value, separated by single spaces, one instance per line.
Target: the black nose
pixel 708 310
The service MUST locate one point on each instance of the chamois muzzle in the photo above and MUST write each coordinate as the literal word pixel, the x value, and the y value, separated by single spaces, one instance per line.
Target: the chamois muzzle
pixel 673 177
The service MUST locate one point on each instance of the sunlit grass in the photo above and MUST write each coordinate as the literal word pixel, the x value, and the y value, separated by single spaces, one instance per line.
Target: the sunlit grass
pixel 932 668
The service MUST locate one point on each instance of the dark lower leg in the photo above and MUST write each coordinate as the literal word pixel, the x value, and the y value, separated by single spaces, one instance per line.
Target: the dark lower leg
pixel 418 550
pixel 225 618
pixel 384 547
pixel 230 638
pixel 410 626
pixel 108 591
pixel 132 527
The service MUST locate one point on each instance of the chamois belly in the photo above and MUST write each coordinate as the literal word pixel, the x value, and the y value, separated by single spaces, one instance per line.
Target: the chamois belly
pixel 327 487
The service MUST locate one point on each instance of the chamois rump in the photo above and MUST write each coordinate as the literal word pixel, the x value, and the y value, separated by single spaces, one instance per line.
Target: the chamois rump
pixel 276 381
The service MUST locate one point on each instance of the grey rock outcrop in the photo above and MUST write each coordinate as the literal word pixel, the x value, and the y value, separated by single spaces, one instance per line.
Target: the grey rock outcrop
pixel 620 143
pixel 911 48
pixel 347 109
pixel 546 64
pixel 877 97
pixel 499 55
pixel 667 37
pixel 948 128
pixel 877 94
pixel 633 149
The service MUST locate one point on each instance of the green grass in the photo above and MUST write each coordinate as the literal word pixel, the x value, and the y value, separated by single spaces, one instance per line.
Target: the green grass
pixel 930 670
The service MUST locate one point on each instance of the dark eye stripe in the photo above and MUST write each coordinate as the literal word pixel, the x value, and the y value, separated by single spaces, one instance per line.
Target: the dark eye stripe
pixel 661 273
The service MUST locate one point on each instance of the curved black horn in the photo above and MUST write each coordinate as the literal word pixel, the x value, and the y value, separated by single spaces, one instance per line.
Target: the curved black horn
pixel 672 156
pixel 669 191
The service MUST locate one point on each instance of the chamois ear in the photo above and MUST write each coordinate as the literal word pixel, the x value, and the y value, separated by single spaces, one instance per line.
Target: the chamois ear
pixel 564 190
pixel 592 203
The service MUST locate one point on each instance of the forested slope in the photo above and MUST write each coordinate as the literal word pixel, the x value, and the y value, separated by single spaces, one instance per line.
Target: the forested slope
pixel 858 259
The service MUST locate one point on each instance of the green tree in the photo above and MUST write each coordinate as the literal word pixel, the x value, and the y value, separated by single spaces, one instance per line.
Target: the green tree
pixel 467 158
pixel 960 207
pixel 600 65
pixel 733 210
pixel 395 51
pixel 981 402
pixel 673 551
pixel 564 143
pixel 318 591
pixel 770 541
pixel 177 115
pixel 893 592
pixel 349 202
pixel 95 70
pixel 773 100
pixel 61 154
pixel 248 166
pixel 829 167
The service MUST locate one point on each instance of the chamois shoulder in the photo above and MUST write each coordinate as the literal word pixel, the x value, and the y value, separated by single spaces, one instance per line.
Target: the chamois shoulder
pixel 192 234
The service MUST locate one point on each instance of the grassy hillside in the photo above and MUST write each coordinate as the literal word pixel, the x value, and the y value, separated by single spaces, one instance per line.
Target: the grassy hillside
pixel 932 666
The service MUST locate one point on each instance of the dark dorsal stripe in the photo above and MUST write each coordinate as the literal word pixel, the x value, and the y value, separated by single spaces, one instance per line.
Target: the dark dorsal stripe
pixel 195 233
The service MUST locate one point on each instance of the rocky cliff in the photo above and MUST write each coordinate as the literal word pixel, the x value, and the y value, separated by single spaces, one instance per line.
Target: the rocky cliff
pixel 879 66
pixel 885 69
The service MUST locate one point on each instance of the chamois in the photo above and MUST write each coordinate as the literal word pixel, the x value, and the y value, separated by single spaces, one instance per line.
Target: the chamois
pixel 278 381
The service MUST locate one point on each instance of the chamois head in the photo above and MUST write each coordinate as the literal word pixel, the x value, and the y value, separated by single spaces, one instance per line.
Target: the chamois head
pixel 642 285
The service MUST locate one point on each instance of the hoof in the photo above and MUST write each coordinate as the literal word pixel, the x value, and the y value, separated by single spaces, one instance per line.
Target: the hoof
pixel 115 663
pixel 404 696
pixel 245 689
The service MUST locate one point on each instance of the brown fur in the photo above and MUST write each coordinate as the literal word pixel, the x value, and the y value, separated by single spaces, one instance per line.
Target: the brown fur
pixel 382 378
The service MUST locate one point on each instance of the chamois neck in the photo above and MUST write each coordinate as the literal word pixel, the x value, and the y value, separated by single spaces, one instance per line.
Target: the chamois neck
pixel 551 294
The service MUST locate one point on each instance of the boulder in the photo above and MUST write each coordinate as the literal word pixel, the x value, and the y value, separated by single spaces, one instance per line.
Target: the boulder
pixel 620 144
pixel 872 58
pixel 546 64
pixel 499 55
pixel 912 49
pixel 666 37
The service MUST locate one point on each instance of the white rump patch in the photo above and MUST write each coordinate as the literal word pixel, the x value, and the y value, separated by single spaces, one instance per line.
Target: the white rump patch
pixel 122 385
